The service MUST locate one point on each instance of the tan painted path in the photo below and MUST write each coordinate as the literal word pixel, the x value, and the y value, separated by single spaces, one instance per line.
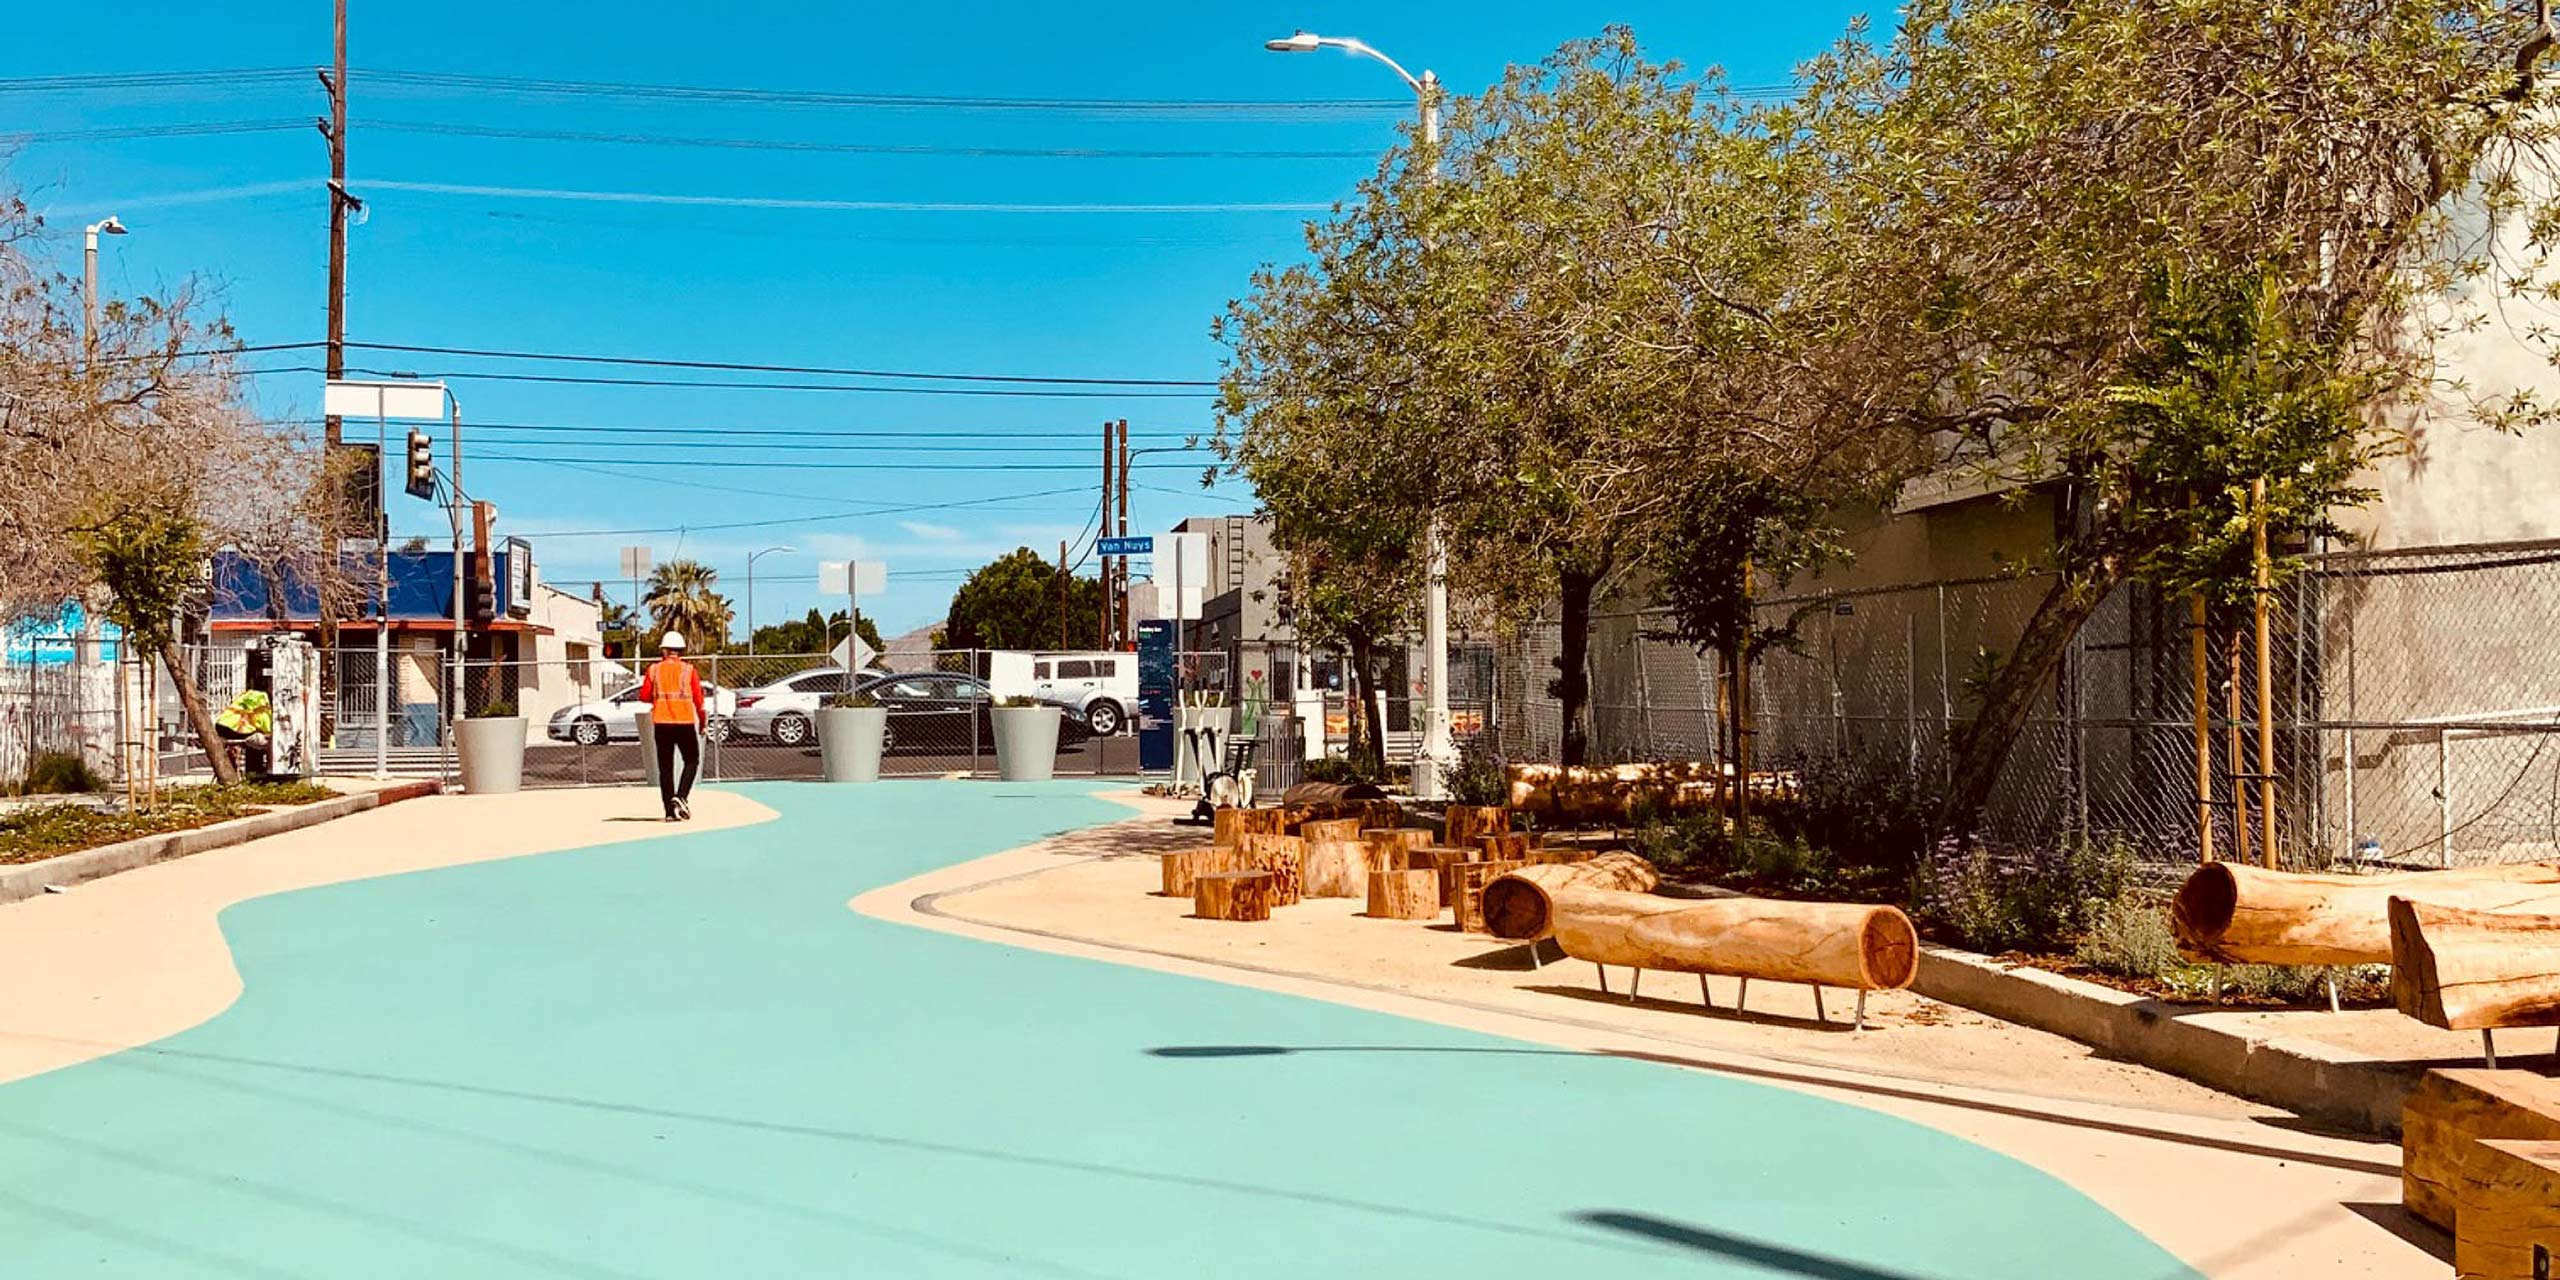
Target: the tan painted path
pixel 2236 1191
pixel 131 958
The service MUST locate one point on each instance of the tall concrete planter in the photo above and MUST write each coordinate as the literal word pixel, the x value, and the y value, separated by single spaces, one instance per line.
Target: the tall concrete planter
pixel 1026 743
pixel 849 742
pixel 492 751
pixel 648 741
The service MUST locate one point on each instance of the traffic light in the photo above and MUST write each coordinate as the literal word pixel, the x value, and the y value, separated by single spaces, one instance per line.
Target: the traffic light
pixel 422 465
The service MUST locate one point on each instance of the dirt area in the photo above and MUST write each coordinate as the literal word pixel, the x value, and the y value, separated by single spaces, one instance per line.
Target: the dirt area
pixel 1101 886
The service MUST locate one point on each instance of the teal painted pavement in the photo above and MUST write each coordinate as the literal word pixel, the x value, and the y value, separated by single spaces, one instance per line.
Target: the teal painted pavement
pixel 685 1057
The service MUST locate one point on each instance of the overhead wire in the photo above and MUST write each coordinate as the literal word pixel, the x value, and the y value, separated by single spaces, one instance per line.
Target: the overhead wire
pixel 572 380
pixel 661 362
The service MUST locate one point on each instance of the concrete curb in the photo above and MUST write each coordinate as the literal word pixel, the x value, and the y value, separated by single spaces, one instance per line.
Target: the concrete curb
pixel 30 879
pixel 2312 1079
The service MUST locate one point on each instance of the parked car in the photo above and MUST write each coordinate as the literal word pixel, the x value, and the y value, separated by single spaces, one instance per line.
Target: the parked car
pixel 1097 687
pixel 611 718
pixel 932 711
pixel 786 711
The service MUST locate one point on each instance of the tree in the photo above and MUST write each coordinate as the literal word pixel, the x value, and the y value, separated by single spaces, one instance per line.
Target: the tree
pixel 680 598
pixel 817 633
pixel 1012 603
pixel 2053 214
pixel 1355 599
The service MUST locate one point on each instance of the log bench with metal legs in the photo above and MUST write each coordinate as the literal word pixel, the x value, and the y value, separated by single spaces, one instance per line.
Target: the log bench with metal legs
pixel 2466 969
pixel 1741 994
pixel 1821 944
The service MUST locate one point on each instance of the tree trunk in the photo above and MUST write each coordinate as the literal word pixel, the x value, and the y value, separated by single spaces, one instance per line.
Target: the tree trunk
pixel 1573 673
pixel 1368 737
pixel 192 699
pixel 1983 743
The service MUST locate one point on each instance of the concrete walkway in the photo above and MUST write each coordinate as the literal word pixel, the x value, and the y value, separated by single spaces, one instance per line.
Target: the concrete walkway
pixel 683 1057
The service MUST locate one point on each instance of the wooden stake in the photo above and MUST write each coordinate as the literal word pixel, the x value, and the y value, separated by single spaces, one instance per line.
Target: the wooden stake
pixel 2239 784
pixel 2264 580
pixel 2196 658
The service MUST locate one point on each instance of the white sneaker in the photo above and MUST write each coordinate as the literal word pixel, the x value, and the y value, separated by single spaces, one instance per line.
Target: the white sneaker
pixel 684 811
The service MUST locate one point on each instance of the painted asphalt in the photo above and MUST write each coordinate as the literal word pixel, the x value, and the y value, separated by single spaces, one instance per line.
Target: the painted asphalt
pixel 685 1057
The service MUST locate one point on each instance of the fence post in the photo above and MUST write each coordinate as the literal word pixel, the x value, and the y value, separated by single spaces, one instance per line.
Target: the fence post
pixel 1946 698
pixel 1911 696
pixel 2444 800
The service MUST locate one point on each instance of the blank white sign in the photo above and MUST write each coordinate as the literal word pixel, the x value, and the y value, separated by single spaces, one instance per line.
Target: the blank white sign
pixel 871 577
pixel 405 401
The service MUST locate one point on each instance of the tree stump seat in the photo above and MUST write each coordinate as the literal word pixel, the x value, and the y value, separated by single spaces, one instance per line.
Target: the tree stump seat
pixel 1232 895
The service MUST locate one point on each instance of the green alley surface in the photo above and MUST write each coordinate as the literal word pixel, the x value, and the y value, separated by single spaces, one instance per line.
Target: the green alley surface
pixel 685 1057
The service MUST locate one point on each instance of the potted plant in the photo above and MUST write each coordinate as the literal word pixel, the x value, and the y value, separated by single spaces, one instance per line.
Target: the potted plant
pixel 852 729
pixel 491 744
pixel 1026 739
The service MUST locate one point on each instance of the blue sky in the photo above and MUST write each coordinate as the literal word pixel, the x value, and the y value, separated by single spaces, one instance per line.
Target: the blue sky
pixel 1066 294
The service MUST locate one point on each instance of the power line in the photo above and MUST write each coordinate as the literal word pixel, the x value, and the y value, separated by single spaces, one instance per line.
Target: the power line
pixel 893 468
pixel 150 79
pixel 767 524
pixel 571 380
pixel 130 132
pixel 660 362
pixel 447 128
pixel 798 447
pixel 813 204
pixel 726 432
pixel 1248 109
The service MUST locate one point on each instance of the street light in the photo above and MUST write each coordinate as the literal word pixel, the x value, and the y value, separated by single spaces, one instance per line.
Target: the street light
pixel 89 279
pixel 751 592
pixel 1438 751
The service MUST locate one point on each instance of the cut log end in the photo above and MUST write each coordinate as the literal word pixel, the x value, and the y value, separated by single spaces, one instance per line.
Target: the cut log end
pixel 1892 950
pixel 2202 911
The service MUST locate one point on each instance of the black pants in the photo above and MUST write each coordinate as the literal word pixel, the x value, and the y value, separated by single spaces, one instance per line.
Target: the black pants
pixel 676 740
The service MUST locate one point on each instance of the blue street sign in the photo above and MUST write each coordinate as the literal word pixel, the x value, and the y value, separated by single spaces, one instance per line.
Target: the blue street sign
pixel 1139 546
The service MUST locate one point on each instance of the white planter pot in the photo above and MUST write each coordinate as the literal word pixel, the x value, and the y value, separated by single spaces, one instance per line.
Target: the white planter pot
pixel 648 750
pixel 849 740
pixel 492 750
pixel 1185 719
pixel 1026 743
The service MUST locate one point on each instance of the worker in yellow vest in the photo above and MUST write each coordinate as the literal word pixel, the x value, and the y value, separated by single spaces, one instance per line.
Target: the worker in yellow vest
pixel 677 718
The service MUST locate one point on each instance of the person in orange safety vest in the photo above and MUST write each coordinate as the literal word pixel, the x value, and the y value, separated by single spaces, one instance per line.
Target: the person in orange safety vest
pixel 678 717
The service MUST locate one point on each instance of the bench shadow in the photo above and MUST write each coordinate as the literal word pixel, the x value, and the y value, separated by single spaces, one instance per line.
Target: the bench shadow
pixel 1725 1012
pixel 2413 1231
pixel 1761 1254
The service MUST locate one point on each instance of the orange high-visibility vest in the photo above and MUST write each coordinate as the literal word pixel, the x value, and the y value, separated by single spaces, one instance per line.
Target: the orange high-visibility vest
pixel 675 692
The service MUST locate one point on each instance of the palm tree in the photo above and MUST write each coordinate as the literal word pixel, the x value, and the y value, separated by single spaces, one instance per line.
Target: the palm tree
pixel 681 599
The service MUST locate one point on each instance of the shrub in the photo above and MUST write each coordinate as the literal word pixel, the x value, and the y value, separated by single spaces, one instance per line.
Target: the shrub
pixel 494 709
pixel 1482 776
pixel 61 773
pixel 1335 769
pixel 2129 937
pixel 1865 811
pixel 1019 700
pixel 2011 900
pixel 856 701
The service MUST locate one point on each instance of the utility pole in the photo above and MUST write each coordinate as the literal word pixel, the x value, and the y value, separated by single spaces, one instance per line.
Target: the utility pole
pixel 1102 523
pixel 1122 582
pixel 1062 593
pixel 335 130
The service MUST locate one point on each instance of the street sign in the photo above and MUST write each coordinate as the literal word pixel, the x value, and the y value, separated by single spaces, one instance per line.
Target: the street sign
pixel 1141 545
pixel 401 400
pixel 871 577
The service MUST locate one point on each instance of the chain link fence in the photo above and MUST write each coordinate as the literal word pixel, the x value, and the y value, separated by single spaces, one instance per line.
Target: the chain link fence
pixel 2416 702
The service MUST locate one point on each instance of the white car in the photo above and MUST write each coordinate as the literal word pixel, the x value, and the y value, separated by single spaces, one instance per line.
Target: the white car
pixel 1097 687
pixel 615 717
pixel 786 711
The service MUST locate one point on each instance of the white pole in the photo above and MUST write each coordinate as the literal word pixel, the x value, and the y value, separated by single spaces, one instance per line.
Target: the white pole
pixel 461 619
pixel 1433 757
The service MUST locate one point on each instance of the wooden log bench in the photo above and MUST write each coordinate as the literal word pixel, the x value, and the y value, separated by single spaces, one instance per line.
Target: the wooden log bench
pixel 1466 882
pixel 2445 1120
pixel 2464 969
pixel 2510 1212
pixel 1839 944
pixel 1232 895
pixel 1517 905
pixel 1404 895
pixel 2238 914
pixel 1184 866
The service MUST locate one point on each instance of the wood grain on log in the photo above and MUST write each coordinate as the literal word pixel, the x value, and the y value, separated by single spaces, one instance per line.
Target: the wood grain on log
pixel 1285 857
pixel 1404 895
pixel 1230 825
pixel 2239 914
pixel 2510 1204
pixel 1517 907
pixel 1183 866
pixel 1232 895
pixel 2445 1118
pixel 1466 882
pixel 1337 868
pixel 1512 846
pixel 1330 829
pixel 1438 859
pixel 2463 970
pixel 1387 845
pixel 1463 823
pixel 1832 943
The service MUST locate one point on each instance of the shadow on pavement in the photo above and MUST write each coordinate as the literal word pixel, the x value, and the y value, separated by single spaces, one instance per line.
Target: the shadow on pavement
pixel 1758 1253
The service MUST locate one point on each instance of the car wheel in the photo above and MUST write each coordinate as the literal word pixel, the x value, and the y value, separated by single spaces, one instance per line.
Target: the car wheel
pixel 791 729
pixel 888 738
pixel 1103 718
pixel 722 730
pixel 587 731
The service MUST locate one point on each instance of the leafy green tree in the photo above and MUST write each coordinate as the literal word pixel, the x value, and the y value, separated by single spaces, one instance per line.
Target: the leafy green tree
pixel 1013 603
pixel 151 565
pixel 816 633
pixel 680 598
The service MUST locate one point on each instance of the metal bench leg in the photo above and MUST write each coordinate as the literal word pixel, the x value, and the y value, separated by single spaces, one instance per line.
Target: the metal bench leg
pixel 1818 1014
pixel 1705 997
pixel 1536 961
pixel 1604 976
pixel 1635 980
pixel 2332 980
pixel 1741 995
pixel 1861 1023
pixel 2488 1048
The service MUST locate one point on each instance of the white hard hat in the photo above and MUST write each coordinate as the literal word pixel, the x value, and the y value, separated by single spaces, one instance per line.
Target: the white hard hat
pixel 671 640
